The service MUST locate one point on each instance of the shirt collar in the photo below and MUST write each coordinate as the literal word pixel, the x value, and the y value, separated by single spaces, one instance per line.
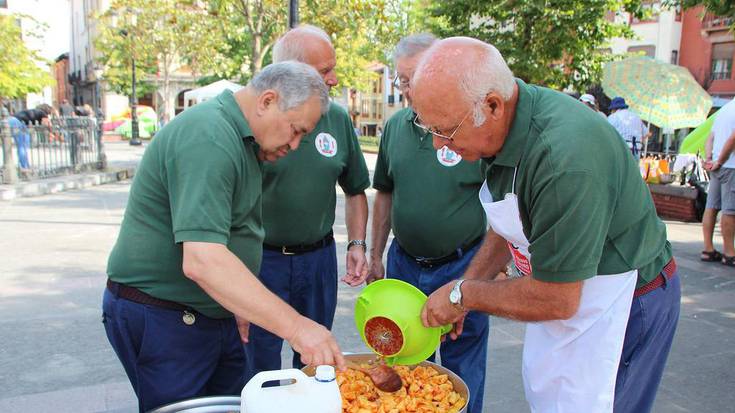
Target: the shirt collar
pixel 233 111
pixel 515 143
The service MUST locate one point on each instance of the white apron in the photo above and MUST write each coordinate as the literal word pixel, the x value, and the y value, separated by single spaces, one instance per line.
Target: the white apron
pixel 568 365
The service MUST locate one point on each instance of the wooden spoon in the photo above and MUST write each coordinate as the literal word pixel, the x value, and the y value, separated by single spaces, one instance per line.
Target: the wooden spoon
pixel 384 378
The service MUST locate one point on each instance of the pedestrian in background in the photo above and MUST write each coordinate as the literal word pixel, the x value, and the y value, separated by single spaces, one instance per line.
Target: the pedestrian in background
pixel 720 161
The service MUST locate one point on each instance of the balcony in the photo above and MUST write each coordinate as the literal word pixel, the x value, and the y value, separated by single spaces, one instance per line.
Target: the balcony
pixel 713 23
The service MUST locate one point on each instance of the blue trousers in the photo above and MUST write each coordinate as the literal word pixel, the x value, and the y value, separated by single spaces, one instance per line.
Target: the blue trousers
pixel 308 283
pixel 167 360
pixel 648 337
pixel 23 144
pixel 466 356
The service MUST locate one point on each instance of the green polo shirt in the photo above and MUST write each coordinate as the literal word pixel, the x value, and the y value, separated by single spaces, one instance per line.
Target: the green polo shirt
pixel 583 204
pixel 299 190
pixel 199 180
pixel 435 207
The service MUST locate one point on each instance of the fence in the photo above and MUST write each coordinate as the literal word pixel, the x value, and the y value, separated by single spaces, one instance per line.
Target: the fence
pixel 57 146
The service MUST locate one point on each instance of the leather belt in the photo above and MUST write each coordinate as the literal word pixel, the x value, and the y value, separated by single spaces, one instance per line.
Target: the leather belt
pixel 135 295
pixel 425 262
pixel 666 274
pixel 303 248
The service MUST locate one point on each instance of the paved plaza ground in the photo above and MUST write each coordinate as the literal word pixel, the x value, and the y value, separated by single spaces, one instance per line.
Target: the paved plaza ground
pixel 54 355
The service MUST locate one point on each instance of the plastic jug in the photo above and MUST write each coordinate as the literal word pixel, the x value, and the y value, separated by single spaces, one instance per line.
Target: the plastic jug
pixel 318 394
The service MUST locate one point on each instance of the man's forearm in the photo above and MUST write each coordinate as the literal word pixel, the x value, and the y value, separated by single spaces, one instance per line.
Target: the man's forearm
pixel 490 259
pixel 229 282
pixel 708 147
pixel 381 224
pixel 523 299
pixel 356 215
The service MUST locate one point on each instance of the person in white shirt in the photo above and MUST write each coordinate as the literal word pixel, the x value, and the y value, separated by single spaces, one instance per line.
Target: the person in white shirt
pixel 720 161
pixel 628 124
pixel 591 102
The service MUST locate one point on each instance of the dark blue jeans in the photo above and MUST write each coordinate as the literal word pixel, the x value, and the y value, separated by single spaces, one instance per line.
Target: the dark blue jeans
pixel 308 283
pixel 466 356
pixel 167 360
pixel 648 337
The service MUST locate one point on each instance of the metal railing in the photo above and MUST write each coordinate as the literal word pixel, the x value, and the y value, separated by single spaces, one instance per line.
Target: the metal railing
pixel 56 146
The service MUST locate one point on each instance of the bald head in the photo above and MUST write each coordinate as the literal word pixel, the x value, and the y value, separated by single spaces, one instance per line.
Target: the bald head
pixel 462 68
pixel 311 45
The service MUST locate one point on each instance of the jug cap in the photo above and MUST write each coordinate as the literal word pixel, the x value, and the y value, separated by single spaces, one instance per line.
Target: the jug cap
pixel 325 373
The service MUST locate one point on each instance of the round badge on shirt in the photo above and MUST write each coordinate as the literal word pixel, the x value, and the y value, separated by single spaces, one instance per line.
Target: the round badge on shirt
pixel 326 144
pixel 448 157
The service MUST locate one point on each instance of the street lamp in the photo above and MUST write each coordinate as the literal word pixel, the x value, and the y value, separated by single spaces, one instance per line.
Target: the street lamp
pixel 293 13
pixel 134 131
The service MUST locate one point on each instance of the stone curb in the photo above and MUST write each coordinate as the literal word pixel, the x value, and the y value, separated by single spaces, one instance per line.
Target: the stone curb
pixel 64 183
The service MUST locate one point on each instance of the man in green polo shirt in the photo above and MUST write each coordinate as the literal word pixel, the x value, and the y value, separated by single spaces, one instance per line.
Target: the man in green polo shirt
pixel 429 198
pixel 599 284
pixel 190 243
pixel 299 199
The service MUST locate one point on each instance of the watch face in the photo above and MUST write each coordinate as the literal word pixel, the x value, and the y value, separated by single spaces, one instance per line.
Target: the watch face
pixel 454 297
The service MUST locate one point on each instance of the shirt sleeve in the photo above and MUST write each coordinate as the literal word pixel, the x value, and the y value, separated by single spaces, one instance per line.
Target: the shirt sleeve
pixel 381 178
pixel 570 215
pixel 201 178
pixel 355 177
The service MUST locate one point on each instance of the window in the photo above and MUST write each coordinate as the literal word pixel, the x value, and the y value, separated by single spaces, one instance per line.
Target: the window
pixel 3 4
pixel 722 54
pixel 674 57
pixel 649 51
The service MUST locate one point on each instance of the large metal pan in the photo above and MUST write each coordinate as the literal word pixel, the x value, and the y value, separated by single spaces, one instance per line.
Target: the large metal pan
pixel 459 385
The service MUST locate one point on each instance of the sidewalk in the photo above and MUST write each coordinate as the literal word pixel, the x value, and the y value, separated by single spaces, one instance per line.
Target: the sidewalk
pixel 122 160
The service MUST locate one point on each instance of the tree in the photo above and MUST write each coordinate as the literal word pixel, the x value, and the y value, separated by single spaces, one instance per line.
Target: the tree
pixel 163 36
pixel 556 43
pixel 361 31
pixel 22 70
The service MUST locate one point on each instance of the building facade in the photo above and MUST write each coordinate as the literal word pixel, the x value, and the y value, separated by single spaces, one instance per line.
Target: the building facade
pixel 708 50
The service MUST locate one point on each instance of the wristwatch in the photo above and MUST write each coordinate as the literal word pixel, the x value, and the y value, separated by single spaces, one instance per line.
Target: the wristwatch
pixel 455 296
pixel 360 242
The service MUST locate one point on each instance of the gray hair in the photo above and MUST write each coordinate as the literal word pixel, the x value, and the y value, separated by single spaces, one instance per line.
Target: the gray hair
pixel 295 83
pixel 291 46
pixel 412 45
pixel 491 74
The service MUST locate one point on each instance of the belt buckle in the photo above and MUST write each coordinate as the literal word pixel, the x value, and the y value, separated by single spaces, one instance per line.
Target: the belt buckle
pixel 424 262
pixel 284 251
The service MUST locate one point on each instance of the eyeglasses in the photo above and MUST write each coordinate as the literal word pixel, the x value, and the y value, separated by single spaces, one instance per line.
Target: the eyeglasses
pixel 436 132
pixel 400 83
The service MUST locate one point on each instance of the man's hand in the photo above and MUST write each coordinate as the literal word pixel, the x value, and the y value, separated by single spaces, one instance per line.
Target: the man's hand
pixel 438 310
pixel 243 326
pixel 357 269
pixel 712 165
pixel 316 344
pixel 376 271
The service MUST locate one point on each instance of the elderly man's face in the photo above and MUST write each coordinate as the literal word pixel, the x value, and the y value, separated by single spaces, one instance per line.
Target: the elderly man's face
pixel 282 131
pixel 404 70
pixel 320 55
pixel 442 109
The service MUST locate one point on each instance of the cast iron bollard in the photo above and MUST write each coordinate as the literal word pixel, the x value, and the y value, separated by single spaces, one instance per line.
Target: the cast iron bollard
pixel 10 171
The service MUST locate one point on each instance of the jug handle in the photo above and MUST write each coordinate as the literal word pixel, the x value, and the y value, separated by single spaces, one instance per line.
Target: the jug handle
pixel 256 383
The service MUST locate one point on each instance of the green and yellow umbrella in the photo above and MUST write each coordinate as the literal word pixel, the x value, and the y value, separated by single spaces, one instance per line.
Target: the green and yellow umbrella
pixel 663 94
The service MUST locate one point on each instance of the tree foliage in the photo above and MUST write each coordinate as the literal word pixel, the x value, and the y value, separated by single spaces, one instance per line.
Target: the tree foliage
pixel 22 70
pixel 163 36
pixel 361 30
pixel 556 43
